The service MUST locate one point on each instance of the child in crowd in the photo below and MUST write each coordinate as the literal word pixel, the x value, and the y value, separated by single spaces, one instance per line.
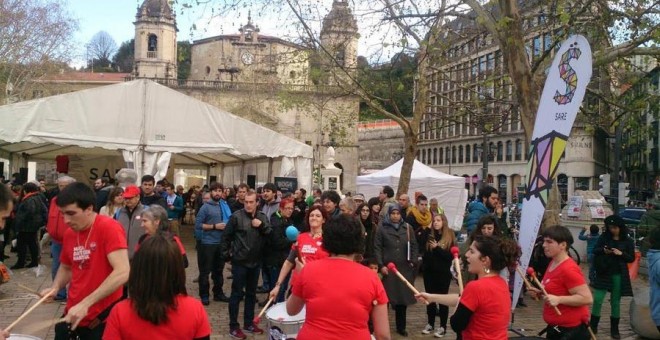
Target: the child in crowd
pixel 373 265
pixel 591 238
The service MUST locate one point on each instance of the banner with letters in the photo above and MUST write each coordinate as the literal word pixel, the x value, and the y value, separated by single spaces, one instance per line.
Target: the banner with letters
pixel 560 101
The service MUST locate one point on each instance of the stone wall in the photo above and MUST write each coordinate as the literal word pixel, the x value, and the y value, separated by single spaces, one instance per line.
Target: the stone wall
pixel 379 147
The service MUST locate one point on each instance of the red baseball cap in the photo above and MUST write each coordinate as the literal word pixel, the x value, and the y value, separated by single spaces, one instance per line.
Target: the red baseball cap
pixel 131 191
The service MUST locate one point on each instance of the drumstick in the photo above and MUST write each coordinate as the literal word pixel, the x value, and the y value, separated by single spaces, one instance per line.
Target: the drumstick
pixel 257 318
pixel 44 298
pixel 529 285
pixel 29 289
pixel 591 332
pixel 392 267
pixel 532 273
pixel 17 299
pixel 457 267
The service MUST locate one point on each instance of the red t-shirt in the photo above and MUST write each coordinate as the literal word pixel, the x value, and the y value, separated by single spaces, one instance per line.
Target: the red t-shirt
pixel 187 321
pixel 86 252
pixel 490 302
pixel 309 249
pixel 557 282
pixel 324 283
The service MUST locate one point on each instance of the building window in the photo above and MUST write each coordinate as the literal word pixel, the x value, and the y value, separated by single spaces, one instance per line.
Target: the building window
pixel 447 155
pixel 519 149
pixel 475 153
pixel 490 151
pixel 467 154
pixel 453 155
pixel 509 151
pixel 424 156
pixel 440 157
pixel 500 151
pixel 435 156
pixel 460 154
pixel 152 45
pixel 208 70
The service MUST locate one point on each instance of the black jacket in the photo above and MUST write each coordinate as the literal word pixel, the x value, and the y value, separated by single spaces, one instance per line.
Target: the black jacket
pixel 31 214
pixel 243 243
pixel 606 265
pixel 278 245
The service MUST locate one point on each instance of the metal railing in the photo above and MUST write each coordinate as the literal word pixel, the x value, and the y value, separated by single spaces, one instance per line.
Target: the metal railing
pixel 241 86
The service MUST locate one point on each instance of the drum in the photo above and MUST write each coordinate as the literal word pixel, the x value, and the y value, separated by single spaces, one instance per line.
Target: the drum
pixel 22 337
pixel 282 326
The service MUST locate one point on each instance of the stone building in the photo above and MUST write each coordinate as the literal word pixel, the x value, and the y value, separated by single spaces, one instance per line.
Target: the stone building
pixel 265 79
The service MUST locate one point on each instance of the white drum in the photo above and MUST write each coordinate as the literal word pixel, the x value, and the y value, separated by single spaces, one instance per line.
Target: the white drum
pixel 282 326
pixel 22 337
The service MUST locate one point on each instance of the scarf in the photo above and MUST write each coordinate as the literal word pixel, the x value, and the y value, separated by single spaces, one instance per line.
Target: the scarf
pixel 424 220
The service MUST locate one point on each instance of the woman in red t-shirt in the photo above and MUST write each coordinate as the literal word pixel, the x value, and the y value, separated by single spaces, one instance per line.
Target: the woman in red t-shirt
pixel 567 289
pixel 309 247
pixel 157 308
pixel 155 221
pixel 485 307
pixel 322 283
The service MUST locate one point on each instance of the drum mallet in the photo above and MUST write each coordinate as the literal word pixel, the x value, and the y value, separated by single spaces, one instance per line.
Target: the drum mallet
pixel 44 298
pixel 258 317
pixel 457 267
pixel 392 267
pixel 532 273
pixel 524 277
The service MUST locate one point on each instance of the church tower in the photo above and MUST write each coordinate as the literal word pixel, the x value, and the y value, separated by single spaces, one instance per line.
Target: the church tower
pixel 155 40
pixel 339 36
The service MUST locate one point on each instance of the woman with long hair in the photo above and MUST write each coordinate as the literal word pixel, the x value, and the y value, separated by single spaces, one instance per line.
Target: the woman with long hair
pixel 612 253
pixel 322 283
pixel 309 247
pixel 374 206
pixel 396 243
pixel 159 306
pixel 155 221
pixel 115 202
pixel 566 287
pixel 485 307
pixel 436 264
pixel 363 213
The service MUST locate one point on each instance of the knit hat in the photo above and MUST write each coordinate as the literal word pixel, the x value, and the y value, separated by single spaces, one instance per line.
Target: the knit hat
pixel 615 220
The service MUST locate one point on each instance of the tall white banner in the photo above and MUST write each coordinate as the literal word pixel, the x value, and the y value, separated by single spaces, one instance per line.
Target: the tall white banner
pixel 561 99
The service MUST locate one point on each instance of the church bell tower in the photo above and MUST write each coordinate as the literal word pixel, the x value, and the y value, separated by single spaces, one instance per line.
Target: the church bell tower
pixel 155 40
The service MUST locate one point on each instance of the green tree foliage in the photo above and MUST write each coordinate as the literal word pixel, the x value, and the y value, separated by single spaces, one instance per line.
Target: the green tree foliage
pixel 393 80
pixel 183 59
pixel 124 58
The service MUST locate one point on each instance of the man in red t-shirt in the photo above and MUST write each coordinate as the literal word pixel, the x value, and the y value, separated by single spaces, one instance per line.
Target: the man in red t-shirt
pixel 56 228
pixel 93 241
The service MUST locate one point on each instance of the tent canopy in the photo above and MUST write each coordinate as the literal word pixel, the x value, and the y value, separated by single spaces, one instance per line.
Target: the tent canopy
pixel 447 189
pixel 139 116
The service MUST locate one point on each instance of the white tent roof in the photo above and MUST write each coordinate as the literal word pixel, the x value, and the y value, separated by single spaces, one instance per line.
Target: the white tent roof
pixel 447 189
pixel 135 115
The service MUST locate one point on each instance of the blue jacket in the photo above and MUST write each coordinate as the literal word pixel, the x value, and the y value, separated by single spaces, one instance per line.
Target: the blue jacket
pixel 178 208
pixel 476 210
pixel 653 259
pixel 211 212
pixel 591 239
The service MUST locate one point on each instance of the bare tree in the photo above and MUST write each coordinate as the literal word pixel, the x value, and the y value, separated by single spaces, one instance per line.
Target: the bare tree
pixel 101 48
pixel 35 39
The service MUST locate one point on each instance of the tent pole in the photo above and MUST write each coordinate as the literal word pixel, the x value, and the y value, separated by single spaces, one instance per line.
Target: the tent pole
pixel 270 170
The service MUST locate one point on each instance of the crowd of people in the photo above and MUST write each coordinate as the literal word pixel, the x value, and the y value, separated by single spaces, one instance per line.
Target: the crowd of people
pixel 356 250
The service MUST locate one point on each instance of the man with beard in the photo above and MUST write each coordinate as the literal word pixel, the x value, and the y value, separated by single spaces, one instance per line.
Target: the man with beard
pixel 56 228
pixel 149 195
pixel 485 205
pixel 271 202
pixel 210 223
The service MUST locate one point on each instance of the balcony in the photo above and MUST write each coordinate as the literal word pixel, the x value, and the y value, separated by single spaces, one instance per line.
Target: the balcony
pixel 151 54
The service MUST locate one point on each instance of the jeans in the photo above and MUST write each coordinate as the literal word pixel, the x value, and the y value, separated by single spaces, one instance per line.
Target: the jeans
pixel 56 251
pixel 210 261
pixel 244 283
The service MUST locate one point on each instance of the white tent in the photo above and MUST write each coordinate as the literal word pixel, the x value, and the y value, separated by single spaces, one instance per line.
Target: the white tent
pixel 447 189
pixel 144 122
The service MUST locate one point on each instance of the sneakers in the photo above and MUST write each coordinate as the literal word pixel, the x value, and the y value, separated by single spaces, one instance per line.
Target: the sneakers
pixel 254 329
pixel 221 298
pixel 440 332
pixel 427 329
pixel 237 334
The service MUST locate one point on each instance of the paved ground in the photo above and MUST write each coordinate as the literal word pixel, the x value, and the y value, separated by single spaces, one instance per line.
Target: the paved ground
pixel 14 301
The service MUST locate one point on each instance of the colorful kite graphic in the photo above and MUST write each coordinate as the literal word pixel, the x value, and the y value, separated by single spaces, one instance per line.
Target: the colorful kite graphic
pixel 568 75
pixel 542 166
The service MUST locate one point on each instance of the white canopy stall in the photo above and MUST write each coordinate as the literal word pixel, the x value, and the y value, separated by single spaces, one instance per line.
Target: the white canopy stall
pixel 147 123
pixel 447 189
